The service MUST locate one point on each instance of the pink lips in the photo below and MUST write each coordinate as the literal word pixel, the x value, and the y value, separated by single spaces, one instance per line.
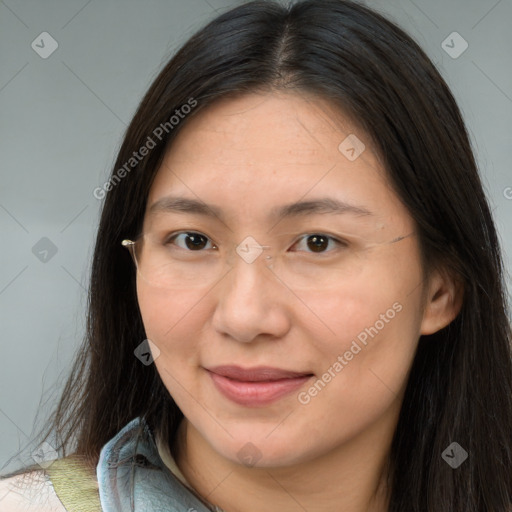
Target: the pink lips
pixel 255 387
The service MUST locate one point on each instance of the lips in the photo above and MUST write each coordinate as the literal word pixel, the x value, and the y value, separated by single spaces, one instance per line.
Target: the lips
pixel 253 387
pixel 259 374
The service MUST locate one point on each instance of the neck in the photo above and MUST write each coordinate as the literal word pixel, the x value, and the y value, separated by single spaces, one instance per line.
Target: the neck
pixel 351 477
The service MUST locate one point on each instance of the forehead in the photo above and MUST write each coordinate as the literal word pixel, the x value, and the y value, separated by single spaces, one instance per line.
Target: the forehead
pixel 291 128
pixel 257 151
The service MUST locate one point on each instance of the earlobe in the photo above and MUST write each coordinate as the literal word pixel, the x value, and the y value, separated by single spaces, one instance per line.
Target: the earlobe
pixel 443 304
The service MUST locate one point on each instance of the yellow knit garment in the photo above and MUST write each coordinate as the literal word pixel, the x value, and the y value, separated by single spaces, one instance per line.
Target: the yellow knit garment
pixel 75 484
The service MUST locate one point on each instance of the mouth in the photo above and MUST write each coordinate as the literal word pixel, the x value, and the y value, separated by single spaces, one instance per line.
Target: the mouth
pixel 256 387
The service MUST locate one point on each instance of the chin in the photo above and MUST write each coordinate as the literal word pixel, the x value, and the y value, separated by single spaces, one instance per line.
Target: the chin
pixel 251 449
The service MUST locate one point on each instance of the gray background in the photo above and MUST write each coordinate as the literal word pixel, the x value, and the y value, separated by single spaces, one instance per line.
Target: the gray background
pixel 61 123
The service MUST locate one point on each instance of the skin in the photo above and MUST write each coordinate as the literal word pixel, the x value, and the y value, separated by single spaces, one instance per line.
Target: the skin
pixel 247 155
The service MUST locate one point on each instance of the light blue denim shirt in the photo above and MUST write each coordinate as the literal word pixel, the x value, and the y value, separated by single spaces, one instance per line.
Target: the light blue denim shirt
pixel 132 476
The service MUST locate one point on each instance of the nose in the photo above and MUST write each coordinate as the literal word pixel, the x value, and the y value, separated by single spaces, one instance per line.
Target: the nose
pixel 251 301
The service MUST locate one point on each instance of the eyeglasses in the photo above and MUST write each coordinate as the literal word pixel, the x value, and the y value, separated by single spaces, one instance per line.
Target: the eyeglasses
pixel 163 264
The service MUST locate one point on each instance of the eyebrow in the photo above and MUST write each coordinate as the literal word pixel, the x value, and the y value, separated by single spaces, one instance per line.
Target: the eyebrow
pixel 323 205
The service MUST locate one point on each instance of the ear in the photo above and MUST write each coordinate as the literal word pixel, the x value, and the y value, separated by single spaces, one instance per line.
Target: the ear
pixel 443 301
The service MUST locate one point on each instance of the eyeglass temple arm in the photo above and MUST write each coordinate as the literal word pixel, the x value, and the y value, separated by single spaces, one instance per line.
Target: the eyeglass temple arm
pixel 127 243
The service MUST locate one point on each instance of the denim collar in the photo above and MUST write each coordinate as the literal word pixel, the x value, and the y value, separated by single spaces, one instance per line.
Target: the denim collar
pixel 132 476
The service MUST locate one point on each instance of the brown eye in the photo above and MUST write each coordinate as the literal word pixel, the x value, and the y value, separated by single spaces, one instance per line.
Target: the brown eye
pixel 193 241
pixel 319 242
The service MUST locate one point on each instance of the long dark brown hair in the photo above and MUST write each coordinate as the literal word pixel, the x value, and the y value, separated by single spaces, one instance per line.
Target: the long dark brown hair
pixel 460 384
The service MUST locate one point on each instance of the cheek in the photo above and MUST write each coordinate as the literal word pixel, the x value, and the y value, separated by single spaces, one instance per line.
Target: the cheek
pixel 358 382
pixel 376 326
pixel 357 310
pixel 373 317
pixel 172 320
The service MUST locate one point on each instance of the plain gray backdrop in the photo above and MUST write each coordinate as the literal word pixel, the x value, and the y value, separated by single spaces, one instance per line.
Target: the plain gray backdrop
pixel 62 116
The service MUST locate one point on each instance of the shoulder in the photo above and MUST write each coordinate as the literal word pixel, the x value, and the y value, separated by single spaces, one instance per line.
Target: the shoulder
pixel 29 492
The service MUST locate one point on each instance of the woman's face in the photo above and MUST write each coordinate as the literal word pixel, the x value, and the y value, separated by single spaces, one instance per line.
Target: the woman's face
pixel 296 355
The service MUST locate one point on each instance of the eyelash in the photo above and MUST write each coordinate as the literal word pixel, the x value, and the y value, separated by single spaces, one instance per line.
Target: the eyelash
pixel 340 242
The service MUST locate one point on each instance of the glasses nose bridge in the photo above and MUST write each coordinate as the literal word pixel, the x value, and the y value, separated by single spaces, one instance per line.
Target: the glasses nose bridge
pixel 250 251
pixel 250 267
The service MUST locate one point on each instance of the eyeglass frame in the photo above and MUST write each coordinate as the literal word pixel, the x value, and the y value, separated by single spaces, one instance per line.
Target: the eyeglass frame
pixel 130 245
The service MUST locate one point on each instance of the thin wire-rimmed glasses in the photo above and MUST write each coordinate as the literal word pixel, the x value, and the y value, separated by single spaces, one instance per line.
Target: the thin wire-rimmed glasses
pixel 163 264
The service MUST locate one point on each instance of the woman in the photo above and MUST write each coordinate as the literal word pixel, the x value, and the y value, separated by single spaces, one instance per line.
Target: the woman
pixel 296 300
